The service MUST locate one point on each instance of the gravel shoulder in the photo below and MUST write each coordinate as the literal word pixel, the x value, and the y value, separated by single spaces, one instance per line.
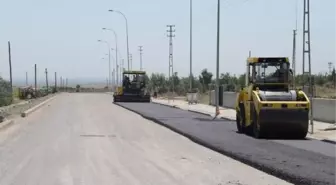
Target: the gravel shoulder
pixel 85 139
pixel 14 110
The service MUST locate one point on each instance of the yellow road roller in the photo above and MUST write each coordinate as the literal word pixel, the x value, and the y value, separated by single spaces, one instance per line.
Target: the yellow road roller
pixel 267 106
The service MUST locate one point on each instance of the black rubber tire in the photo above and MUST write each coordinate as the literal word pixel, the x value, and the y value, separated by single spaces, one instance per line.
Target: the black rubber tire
pixel 239 126
pixel 242 116
pixel 258 132
pixel 302 134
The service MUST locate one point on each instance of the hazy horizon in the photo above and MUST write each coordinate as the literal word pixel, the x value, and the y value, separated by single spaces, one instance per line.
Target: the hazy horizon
pixel 62 35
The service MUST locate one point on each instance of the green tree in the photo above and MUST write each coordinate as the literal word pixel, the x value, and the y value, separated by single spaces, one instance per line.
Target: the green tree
pixel 320 79
pixel 241 80
pixel 205 79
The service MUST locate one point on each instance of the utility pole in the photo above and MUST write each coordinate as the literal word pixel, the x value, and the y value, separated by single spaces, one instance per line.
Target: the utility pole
pixel 117 64
pixel 122 69
pixel 331 72
pixel 217 60
pixel 140 50
pixel 248 69
pixel 294 45
pixel 55 81
pixel 117 74
pixel 113 74
pixel 35 71
pixel 61 83
pixel 191 75
pixel 330 67
pixel 130 61
pixel 294 58
pixel 306 53
pixel 46 73
pixel 109 63
pixel 171 64
pixel 66 84
pixel 10 67
pixel 26 78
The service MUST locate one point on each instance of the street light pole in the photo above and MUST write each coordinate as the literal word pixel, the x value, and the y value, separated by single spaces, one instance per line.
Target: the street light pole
pixel 115 75
pixel 140 50
pixel 191 76
pixel 217 60
pixel 109 59
pixel 128 60
pixel 116 51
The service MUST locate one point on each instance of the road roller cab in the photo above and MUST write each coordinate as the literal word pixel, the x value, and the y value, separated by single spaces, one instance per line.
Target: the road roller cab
pixel 267 106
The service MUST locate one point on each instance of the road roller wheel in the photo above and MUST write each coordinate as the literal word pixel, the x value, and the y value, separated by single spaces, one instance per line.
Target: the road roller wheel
pixel 240 118
pixel 258 132
pixel 302 133
pixel 238 123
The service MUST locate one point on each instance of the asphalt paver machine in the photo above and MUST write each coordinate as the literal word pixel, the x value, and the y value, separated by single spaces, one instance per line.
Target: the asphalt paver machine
pixel 133 88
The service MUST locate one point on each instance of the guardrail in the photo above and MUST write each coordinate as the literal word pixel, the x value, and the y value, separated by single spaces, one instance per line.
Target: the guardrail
pixel 323 109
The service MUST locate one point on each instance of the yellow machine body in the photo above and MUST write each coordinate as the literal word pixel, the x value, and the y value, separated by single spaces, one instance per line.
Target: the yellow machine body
pixel 119 90
pixel 267 106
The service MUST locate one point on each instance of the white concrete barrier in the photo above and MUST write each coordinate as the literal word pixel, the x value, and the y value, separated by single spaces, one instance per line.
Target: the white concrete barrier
pixel 212 98
pixel 229 99
pixel 323 109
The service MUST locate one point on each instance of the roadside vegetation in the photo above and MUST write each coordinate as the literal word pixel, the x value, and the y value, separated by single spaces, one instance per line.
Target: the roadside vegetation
pixel 324 83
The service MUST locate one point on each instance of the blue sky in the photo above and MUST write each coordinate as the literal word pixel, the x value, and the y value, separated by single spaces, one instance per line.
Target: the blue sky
pixel 62 35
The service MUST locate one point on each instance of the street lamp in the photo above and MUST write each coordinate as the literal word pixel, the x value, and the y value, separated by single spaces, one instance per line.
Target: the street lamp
pixel 217 60
pixel 109 59
pixel 126 34
pixel 191 80
pixel 116 50
pixel 112 80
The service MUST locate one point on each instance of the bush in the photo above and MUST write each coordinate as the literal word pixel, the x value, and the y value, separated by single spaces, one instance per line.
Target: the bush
pixel 6 97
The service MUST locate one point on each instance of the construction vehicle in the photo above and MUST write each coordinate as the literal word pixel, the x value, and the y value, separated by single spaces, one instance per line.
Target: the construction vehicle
pixel 133 88
pixel 267 106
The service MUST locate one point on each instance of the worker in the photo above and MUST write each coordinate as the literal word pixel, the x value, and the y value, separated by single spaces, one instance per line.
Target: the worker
pixel 126 82
pixel 134 78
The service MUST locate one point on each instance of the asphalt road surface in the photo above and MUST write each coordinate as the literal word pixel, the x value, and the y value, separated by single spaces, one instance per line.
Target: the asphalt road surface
pixel 297 161
pixel 84 139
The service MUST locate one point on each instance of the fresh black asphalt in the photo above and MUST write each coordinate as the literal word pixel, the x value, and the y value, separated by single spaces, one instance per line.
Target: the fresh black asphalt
pixel 298 161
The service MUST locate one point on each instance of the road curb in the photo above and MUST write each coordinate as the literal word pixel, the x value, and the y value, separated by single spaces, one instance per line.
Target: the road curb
pixel 330 128
pixel 195 111
pixel 172 106
pixel 329 141
pixel 33 109
pixel 5 124
pixel 199 112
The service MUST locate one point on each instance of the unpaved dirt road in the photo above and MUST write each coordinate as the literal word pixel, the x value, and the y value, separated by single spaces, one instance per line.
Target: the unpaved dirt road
pixel 83 139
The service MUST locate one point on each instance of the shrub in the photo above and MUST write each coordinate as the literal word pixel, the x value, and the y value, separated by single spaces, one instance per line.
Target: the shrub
pixel 6 97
